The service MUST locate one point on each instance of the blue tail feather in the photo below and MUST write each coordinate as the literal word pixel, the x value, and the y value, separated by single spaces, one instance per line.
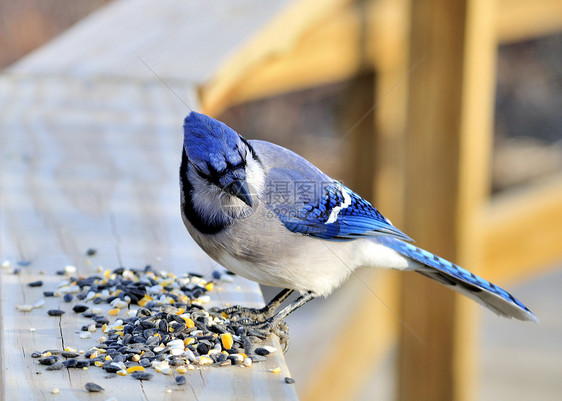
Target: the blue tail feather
pixel 462 280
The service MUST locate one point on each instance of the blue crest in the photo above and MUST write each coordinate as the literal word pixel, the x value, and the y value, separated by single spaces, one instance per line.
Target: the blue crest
pixel 212 146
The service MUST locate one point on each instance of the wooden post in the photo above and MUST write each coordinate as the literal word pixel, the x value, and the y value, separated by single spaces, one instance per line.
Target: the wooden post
pixel 448 149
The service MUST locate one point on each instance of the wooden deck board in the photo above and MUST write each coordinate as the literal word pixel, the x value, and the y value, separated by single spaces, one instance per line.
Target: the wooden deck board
pixel 94 165
pixel 90 146
pixel 183 40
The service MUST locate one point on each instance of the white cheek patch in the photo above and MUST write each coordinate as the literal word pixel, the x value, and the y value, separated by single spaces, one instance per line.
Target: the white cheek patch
pixel 255 176
pixel 335 211
pixel 206 198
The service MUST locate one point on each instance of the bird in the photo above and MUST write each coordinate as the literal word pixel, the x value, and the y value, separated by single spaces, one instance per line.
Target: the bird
pixel 267 214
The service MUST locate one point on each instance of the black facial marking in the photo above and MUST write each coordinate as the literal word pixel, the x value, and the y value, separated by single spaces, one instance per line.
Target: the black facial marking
pixel 187 207
pixel 252 151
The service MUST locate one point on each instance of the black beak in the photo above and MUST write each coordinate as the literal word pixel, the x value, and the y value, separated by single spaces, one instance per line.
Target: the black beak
pixel 240 190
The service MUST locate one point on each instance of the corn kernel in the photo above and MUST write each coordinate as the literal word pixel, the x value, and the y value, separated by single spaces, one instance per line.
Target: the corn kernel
pixel 205 360
pixel 135 369
pixel 181 369
pixel 113 312
pixel 122 372
pixel 144 300
pixel 275 370
pixel 189 323
pixel 210 286
pixel 227 340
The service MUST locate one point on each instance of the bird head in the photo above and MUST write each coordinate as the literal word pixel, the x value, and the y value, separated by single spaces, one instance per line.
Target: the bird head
pixel 221 167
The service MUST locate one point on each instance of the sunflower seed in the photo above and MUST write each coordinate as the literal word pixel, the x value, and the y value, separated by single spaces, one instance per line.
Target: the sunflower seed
pixel 93 387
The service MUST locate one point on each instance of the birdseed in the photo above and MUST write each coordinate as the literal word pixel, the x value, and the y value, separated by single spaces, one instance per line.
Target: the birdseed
pixel 49 360
pixel 80 308
pixel 55 366
pixel 262 351
pixel 93 387
pixel 142 375
pixel 154 320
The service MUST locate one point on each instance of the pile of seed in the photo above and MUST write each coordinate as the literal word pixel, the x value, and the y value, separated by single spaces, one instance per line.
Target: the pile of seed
pixel 169 329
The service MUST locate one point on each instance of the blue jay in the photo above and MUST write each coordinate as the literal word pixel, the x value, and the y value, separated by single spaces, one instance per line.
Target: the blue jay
pixel 269 215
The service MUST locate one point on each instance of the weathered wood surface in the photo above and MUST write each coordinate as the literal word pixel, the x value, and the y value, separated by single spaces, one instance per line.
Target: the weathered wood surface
pixel 181 40
pixel 290 55
pixel 94 164
pixel 90 146
pixel 448 141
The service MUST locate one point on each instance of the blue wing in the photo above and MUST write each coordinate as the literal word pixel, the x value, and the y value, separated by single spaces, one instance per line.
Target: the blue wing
pixel 327 210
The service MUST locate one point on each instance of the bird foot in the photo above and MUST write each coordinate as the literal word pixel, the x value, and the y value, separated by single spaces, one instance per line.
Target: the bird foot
pixel 269 326
pixel 242 312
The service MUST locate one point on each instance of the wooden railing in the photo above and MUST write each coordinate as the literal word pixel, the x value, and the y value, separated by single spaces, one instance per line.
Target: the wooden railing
pixel 435 66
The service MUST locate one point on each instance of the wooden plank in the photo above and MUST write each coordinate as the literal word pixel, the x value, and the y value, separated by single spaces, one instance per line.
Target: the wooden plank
pixel 319 51
pixel 280 36
pixel 372 324
pixel 94 164
pixel 313 54
pixel 474 181
pixel 180 40
pixel 375 305
pixel 527 19
pixel 521 231
pixel 448 132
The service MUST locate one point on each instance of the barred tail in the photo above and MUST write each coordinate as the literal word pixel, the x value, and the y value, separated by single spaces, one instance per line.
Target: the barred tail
pixel 463 281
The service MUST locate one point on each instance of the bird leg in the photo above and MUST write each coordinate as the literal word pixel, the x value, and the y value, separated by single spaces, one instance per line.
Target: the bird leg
pixel 260 314
pixel 276 324
pixel 277 319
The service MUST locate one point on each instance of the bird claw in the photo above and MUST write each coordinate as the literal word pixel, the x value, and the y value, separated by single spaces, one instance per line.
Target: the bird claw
pixel 242 312
pixel 270 326
pixel 281 330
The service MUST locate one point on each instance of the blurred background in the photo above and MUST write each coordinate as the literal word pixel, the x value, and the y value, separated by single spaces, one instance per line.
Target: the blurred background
pixel 359 114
